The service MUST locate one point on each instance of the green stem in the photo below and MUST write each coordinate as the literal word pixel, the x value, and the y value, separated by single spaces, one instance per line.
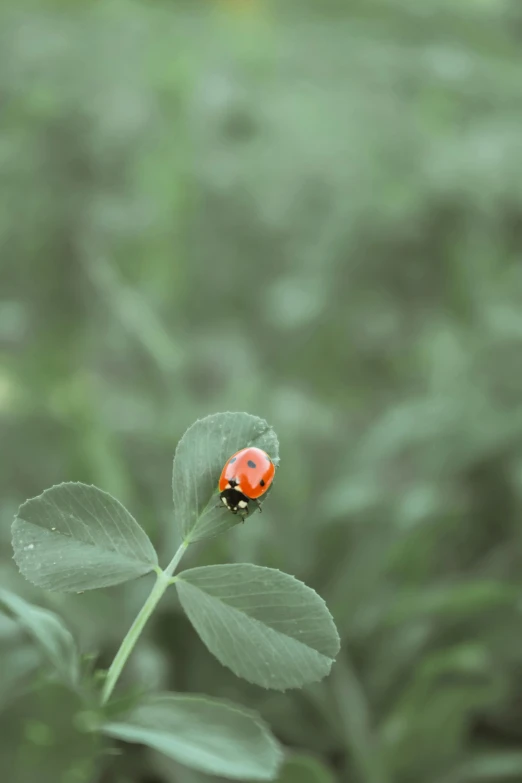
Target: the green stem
pixel 133 634
pixel 175 560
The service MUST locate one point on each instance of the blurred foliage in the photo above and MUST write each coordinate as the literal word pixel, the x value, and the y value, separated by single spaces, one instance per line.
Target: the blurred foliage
pixel 313 213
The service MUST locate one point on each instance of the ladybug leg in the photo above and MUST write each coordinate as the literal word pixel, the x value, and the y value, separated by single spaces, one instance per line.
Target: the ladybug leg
pixel 258 504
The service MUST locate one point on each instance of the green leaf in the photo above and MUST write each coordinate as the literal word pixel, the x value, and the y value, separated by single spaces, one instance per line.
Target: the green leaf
pixel 48 632
pixel 451 601
pixel 266 626
pixel 76 537
pixel 491 767
pixel 210 735
pixel 198 462
pixel 304 769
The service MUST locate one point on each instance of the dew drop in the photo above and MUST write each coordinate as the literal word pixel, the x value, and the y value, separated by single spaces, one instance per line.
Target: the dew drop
pixel 28 547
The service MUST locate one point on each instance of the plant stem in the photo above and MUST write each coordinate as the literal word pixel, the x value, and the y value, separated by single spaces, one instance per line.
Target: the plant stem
pixel 175 560
pixel 134 632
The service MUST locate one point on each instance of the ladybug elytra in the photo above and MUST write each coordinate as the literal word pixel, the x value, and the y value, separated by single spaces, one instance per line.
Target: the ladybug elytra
pixel 246 476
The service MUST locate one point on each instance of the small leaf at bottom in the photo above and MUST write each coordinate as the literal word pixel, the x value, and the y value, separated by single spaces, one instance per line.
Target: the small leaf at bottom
pixel 210 735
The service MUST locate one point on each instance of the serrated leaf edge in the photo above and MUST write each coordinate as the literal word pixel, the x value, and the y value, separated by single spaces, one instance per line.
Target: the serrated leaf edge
pixel 332 659
pixel 65 535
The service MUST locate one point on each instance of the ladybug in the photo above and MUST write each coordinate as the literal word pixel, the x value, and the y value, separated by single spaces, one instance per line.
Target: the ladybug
pixel 246 476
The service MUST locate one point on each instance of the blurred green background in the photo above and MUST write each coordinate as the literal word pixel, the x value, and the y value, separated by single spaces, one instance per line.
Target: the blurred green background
pixel 311 211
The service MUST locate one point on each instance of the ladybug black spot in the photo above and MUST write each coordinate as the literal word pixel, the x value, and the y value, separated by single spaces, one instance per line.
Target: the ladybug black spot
pixel 251 464
pixel 262 483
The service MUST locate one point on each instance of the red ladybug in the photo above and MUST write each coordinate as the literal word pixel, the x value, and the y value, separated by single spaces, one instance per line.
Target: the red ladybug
pixel 246 476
